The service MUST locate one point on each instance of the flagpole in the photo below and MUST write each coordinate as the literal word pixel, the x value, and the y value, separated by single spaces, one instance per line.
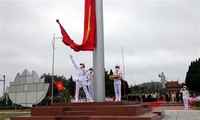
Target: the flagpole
pixel 98 55
pixel 123 70
pixel 52 77
pixel 123 62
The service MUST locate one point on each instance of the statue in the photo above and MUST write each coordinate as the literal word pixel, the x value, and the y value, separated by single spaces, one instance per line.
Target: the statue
pixel 163 79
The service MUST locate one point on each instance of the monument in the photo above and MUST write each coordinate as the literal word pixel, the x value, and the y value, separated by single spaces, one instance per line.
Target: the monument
pixel 27 89
pixel 163 81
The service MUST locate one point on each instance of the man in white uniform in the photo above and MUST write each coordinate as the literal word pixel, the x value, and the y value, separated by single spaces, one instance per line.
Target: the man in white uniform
pixel 90 82
pixel 80 80
pixel 186 97
pixel 117 83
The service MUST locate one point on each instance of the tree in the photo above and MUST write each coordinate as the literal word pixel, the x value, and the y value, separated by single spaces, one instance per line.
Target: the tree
pixel 192 79
pixel 109 84
pixel 71 86
pixel 124 88
pixel 135 89
pixel 148 87
pixel 63 96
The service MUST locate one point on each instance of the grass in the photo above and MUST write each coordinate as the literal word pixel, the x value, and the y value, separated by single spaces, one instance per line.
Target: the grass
pixel 4 116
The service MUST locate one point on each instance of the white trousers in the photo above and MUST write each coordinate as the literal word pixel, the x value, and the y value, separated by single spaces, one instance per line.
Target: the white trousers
pixel 117 88
pixel 185 101
pixel 82 84
pixel 91 91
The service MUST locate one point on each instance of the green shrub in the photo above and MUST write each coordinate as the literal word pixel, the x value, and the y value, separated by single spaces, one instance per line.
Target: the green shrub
pixel 11 107
pixel 197 104
pixel 63 96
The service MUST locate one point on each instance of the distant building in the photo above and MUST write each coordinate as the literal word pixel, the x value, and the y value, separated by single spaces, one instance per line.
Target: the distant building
pixel 173 86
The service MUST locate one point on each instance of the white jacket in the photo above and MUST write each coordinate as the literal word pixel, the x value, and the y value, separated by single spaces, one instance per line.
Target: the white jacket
pixel 117 81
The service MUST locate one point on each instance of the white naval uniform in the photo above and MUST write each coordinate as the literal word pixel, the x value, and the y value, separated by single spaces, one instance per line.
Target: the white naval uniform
pixel 90 84
pixel 185 98
pixel 80 82
pixel 117 86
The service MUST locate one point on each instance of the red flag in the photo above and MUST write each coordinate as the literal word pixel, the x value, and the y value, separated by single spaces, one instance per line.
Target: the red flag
pixel 59 85
pixel 89 37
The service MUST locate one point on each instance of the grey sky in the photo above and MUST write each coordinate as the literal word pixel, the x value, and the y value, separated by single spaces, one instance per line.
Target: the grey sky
pixel 157 36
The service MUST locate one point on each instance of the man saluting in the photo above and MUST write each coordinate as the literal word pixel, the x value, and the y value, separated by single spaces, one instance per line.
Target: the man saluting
pixel 80 80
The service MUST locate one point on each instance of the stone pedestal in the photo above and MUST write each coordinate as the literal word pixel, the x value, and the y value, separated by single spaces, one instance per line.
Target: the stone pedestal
pixel 163 92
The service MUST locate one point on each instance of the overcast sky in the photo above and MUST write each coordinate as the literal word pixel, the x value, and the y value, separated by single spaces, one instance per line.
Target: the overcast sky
pixel 156 35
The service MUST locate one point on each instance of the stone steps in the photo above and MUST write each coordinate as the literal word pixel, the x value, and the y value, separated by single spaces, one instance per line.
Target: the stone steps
pixel 95 111
pixel 79 108
pixel 79 113
pixel 141 117
pixel 172 104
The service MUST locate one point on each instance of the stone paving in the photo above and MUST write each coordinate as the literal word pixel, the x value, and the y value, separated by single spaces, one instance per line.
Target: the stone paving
pixel 182 115
pixel 178 113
